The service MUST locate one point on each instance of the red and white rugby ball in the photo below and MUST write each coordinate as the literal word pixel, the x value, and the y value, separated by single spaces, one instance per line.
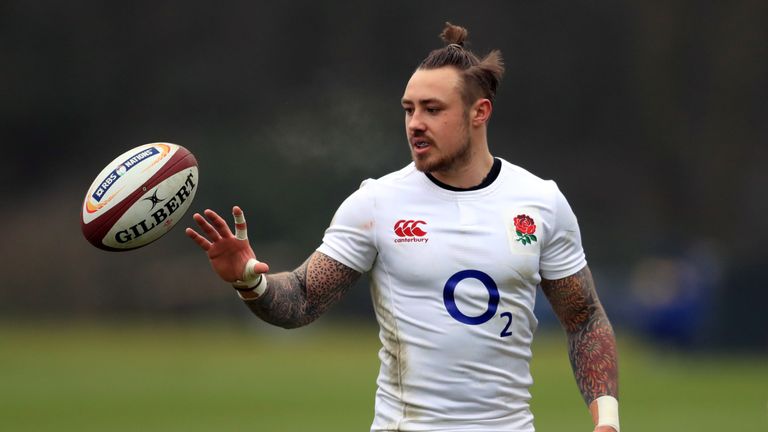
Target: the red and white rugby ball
pixel 139 196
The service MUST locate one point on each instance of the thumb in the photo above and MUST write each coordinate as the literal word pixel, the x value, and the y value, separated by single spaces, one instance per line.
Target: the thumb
pixel 260 267
pixel 253 268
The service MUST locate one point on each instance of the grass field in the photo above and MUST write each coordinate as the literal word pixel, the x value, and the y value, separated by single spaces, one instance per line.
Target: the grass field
pixel 237 377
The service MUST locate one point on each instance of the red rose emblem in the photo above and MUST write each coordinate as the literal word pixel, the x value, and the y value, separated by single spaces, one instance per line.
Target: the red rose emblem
pixel 525 224
pixel 525 228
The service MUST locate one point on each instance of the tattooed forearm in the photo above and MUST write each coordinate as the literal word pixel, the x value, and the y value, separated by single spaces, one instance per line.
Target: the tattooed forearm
pixel 297 298
pixel 591 343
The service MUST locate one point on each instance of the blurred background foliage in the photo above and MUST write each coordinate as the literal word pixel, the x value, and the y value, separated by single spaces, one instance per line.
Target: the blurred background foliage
pixel 651 116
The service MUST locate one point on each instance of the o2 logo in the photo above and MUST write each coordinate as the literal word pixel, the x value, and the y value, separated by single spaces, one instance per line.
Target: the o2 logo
pixel 493 300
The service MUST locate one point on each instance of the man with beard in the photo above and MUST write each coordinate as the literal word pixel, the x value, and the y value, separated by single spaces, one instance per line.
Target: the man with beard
pixel 456 244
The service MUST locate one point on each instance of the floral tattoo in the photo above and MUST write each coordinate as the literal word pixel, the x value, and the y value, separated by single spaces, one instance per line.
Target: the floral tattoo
pixel 591 342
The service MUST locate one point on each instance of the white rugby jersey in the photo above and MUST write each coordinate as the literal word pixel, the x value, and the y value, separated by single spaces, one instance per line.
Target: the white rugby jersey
pixel 453 285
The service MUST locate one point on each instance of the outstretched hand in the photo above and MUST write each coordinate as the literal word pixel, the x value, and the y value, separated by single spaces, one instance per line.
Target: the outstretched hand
pixel 227 252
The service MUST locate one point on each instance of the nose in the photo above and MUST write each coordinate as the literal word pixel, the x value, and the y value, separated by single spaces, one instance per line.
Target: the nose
pixel 414 123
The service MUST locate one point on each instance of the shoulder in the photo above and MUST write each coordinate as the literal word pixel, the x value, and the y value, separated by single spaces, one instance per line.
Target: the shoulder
pixel 372 189
pixel 403 177
pixel 405 174
pixel 540 198
pixel 524 180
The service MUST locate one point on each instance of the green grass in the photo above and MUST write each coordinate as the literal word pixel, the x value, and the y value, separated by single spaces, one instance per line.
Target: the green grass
pixel 659 391
pixel 174 377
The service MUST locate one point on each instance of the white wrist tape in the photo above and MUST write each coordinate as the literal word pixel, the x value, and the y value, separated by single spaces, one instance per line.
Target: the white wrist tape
pixel 251 281
pixel 608 412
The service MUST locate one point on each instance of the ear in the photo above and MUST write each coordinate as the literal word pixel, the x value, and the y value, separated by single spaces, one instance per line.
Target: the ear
pixel 481 112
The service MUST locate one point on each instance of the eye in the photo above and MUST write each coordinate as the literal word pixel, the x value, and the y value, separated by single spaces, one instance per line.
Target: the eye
pixel 433 110
pixel 408 110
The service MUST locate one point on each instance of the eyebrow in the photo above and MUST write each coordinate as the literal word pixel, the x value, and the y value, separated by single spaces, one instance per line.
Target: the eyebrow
pixel 427 101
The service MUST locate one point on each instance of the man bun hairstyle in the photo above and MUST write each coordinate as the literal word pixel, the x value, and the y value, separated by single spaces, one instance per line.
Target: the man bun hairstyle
pixel 480 77
pixel 453 34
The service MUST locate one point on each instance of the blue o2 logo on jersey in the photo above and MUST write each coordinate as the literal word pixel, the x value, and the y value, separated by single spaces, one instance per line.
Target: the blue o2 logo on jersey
pixel 493 300
pixel 450 300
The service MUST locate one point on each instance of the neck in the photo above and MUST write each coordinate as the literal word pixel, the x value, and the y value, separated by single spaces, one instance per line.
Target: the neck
pixel 469 174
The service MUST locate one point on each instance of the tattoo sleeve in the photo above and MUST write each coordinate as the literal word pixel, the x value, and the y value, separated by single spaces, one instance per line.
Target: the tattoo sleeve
pixel 294 299
pixel 591 342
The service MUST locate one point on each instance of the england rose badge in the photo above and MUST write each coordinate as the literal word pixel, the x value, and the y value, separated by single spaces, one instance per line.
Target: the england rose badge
pixel 525 227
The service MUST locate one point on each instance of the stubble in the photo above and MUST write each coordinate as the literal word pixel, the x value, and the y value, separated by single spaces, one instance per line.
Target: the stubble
pixel 448 162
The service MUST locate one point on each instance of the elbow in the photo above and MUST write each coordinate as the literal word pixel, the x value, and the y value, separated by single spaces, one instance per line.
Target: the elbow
pixel 289 325
pixel 300 318
pixel 292 323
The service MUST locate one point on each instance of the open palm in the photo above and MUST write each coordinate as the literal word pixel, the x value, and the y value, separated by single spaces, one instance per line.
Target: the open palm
pixel 228 253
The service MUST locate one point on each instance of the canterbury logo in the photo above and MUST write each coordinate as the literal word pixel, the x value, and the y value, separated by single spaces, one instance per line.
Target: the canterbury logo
pixel 410 228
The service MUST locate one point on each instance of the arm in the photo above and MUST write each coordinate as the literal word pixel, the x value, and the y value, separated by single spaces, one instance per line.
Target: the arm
pixel 291 299
pixel 297 298
pixel 591 342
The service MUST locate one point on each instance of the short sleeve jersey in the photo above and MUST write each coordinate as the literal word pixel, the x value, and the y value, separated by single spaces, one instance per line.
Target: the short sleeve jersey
pixel 453 283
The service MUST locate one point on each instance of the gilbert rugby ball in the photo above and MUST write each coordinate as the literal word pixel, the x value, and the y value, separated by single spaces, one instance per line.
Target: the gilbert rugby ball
pixel 139 196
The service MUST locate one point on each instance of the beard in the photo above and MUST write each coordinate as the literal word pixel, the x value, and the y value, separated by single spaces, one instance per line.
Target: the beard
pixel 445 162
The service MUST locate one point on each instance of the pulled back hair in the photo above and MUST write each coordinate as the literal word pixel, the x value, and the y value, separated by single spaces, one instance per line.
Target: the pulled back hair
pixel 480 77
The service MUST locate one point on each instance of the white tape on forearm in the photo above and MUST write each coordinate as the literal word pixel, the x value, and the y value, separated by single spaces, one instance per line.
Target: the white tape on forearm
pixel 608 412
pixel 255 281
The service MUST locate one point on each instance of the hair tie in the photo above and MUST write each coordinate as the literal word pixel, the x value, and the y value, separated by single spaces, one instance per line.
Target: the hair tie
pixel 455 45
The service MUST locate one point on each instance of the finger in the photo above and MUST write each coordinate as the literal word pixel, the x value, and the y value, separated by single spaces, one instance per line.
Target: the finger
pixel 241 228
pixel 220 224
pixel 200 240
pixel 212 234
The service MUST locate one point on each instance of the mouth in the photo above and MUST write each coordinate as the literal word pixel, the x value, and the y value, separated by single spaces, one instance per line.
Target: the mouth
pixel 420 145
